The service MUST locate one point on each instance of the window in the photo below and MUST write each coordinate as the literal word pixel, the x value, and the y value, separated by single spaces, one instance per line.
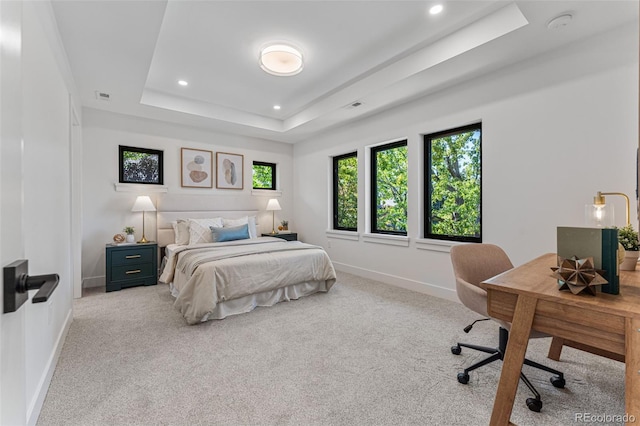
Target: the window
pixel 389 188
pixel 345 192
pixel 452 177
pixel 140 165
pixel 264 175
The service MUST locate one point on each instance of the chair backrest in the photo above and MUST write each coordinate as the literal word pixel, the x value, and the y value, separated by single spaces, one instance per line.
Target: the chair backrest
pixel 472 264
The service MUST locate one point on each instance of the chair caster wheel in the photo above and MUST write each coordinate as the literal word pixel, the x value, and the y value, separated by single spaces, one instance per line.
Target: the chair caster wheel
pixel 463 378
pixel 558 382
pixel 456 350
pixel 534 404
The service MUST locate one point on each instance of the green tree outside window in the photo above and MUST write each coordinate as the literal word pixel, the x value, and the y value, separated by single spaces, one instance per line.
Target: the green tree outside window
pixel 345 187
pixel 453 202
pixel 389 183
pixel 264 175
pixel 140 165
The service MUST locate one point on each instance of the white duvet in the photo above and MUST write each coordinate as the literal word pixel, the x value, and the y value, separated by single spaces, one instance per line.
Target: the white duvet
pixel 207 274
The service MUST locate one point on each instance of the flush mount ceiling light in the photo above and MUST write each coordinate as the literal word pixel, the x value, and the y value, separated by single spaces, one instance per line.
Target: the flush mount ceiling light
pixel 183 82
pixel 281 59
pixel 436 9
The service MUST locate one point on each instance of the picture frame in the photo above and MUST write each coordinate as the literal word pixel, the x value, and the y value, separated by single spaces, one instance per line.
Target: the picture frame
pixel 229 170
pixel 196 168
pixel 140 165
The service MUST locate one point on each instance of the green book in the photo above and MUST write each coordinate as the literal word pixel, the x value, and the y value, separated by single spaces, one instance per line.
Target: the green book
pixel 599 243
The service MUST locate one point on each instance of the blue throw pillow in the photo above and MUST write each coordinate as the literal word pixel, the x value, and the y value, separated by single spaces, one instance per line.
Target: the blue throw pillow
pixel 230 233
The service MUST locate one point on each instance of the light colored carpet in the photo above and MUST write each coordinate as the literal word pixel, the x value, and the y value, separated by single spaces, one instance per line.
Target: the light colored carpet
pixel 363 354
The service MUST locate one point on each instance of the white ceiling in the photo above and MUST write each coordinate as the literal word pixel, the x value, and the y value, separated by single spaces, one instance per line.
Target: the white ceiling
pixel 379 53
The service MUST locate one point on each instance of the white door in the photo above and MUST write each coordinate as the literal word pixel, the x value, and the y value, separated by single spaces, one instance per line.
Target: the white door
pixel 12 326
pixel 35 203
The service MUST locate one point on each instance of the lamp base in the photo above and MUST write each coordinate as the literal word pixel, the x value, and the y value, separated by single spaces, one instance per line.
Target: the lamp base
pixel 143 240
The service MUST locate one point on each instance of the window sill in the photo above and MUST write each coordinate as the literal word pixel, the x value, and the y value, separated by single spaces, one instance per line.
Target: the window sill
pixel 435 245
pixel 391 240
pixel 342 235
pixel 265 192
pixel 139 187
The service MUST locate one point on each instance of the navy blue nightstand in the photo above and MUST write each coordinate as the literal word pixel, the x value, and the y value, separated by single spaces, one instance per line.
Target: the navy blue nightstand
pixel 131 265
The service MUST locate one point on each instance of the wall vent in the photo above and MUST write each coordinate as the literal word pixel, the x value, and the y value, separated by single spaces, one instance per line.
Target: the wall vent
pixel 102 96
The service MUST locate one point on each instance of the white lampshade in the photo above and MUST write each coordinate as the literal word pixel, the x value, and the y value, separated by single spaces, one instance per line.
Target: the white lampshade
pixel 273 204
pixel 143 204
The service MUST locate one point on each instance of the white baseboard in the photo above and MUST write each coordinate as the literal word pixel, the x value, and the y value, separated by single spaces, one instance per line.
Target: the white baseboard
pixel 417 286
pixel 33 412
pixel 94 281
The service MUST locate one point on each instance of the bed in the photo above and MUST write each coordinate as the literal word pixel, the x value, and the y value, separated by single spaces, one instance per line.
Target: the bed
pixel 214 279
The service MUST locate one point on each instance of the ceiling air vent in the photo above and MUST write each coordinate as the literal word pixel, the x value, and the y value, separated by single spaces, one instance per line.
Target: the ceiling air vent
pixel 101 96
pixel 355 104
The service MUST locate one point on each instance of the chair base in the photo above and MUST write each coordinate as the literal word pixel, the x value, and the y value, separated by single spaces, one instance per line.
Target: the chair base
pixel 497 354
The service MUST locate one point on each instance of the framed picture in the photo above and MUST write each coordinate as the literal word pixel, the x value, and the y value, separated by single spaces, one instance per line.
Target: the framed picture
pixel 229 170
pixel 140 165
pixel 197 168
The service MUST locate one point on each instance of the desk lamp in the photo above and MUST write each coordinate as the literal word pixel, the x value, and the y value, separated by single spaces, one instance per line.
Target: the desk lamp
pixel 600 214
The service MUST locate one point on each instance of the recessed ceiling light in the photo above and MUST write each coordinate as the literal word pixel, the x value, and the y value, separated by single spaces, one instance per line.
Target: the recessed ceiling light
pixel 276 107
pixel 183 82
pixel 281 59
pixel 435 9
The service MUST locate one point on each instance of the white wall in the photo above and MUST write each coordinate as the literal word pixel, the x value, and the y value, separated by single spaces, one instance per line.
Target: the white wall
pixel 106 211
pixel 47 192
pixel 556 129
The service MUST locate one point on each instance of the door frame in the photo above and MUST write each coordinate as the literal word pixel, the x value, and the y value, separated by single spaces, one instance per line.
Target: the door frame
pixel 75 178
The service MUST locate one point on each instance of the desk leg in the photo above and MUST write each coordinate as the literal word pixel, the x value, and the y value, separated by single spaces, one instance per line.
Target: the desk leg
pixel 555 349
pixel 632 368
pixel 514 357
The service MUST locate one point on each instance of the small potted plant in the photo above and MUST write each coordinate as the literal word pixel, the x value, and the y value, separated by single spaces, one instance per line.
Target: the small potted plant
pixel 129 230
pixel 285 225
pixel 628 238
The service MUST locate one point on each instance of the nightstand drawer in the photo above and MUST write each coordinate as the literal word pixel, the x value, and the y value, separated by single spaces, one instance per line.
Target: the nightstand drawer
pixel 132 256
pixel 289 236
pixel 132 272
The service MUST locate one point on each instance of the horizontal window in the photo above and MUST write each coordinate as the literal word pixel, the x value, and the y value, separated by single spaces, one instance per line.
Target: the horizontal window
pixel 264 175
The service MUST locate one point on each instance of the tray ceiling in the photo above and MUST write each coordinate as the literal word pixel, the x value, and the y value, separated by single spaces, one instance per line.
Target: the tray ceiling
pixel 376 53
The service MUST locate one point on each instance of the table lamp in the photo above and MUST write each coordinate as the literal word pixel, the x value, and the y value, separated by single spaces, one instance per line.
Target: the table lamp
pixel 143 204
pixel 272 206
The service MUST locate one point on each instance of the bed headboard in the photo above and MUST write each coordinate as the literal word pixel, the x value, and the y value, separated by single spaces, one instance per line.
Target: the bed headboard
pixel 165 233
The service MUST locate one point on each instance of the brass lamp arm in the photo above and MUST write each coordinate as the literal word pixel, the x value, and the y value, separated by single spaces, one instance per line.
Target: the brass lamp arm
pixel 600 200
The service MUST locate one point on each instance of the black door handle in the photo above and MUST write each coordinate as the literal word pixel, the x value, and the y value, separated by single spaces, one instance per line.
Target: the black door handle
pixel 45 284
pixel 16 283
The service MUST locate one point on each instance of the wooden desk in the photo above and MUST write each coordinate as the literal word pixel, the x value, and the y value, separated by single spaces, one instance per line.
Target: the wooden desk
pixel 528 297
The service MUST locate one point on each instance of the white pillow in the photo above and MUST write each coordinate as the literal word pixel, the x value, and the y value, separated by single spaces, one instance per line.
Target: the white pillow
pixel 250 220
pixel 200 229
pixel 181 231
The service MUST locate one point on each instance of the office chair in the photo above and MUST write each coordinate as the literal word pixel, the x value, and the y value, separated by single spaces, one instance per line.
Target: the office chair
pixel 473 264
